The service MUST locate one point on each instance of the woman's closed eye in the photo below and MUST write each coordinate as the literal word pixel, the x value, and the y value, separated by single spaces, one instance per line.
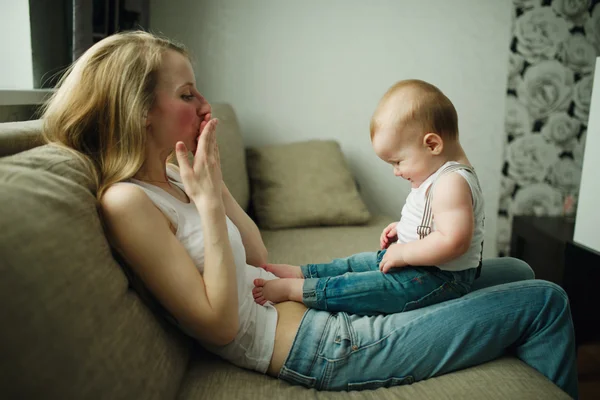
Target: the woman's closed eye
pixel 187 97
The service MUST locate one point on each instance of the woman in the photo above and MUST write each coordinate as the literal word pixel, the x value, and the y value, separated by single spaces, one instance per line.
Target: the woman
pixel 125 105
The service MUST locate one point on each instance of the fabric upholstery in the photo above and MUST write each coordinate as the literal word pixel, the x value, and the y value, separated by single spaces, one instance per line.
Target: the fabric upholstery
pixel 303 184
pixel 506 378
pixel 19 136
pixel 72 328
pixel 316 244
pixel 233 154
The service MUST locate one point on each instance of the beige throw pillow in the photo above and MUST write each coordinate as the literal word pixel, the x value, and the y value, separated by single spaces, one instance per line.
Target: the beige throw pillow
pixel 303 184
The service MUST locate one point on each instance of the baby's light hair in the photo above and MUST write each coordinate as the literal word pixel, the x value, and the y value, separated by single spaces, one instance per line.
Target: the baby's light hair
pixel 428 109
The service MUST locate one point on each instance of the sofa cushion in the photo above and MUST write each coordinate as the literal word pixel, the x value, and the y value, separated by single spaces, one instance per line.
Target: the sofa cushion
pixel 314 244
pixel 506 378
pixel 233 154
pixel 72 327
pixel 303 184
pixel 19 136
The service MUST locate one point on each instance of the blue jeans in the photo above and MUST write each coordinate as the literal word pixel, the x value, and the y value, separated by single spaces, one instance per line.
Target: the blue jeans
pixel 356 285
pixel 530 318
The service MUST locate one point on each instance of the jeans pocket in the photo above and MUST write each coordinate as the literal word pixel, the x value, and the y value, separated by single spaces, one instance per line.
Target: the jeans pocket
pixel 343 339
pixel 444 292
pixel 296 378
pixel 380 383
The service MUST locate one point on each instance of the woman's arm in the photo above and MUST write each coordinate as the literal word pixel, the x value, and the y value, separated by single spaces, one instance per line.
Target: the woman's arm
pixel 206 305
pixel 256 252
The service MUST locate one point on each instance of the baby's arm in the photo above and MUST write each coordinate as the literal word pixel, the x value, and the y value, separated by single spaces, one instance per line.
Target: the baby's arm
pixel 452 208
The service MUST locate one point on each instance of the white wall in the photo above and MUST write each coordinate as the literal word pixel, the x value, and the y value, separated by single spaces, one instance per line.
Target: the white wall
pixel 15 45
pixel 297 70
pixel 587 221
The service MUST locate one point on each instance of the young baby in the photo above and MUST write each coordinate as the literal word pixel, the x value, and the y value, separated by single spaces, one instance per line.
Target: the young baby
pixel 434 252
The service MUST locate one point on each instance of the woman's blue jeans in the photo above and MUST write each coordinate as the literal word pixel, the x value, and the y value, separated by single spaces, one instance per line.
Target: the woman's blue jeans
pixel 356 285
pixel 507 311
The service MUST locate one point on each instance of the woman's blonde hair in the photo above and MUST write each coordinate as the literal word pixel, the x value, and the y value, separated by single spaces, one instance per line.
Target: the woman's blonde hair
pixel 100 106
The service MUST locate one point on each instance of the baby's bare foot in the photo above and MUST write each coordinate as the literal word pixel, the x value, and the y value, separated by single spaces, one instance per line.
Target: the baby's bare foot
pixel 284 270
pixel 277 290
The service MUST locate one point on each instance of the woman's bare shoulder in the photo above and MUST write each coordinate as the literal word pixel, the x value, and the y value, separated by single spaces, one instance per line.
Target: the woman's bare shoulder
pixel 122 196
pixel 124 203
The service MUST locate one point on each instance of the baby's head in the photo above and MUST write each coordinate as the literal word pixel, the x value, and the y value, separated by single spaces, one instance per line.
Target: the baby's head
pixel 413 128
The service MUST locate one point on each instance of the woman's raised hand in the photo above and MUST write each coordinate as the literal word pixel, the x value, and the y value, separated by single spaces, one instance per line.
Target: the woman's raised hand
pixel 202 179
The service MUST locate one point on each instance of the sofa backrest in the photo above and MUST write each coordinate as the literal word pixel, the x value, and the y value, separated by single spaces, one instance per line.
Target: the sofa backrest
pixel 233 154
pixel 19 136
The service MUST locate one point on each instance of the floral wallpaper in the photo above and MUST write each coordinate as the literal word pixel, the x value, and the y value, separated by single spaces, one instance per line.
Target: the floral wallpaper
pixel 553 50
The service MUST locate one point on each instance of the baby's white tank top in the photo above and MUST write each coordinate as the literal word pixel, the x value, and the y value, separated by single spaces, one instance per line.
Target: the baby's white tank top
pixel 412 216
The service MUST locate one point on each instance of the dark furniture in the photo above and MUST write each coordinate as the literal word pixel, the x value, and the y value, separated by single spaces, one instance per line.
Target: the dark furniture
pixel 540 241
pixel 582 286
pixel 546 244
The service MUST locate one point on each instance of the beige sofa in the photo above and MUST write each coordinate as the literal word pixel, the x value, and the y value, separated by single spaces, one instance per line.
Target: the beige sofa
pixel 72 328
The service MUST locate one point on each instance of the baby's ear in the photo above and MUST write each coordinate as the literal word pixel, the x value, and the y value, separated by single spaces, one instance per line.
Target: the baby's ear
pixel 434 143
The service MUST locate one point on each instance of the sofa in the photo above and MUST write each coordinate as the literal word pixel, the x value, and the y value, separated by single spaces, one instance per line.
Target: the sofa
pixel 73 327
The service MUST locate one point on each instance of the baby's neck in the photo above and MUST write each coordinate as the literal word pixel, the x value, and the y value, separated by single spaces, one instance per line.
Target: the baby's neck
pixel 450 153
pixel 453 152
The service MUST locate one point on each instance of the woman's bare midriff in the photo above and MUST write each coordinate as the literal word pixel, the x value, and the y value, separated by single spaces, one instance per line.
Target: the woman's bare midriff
pixel 289 315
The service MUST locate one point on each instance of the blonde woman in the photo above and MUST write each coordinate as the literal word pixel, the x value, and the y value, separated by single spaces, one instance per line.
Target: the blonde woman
pixel 125 106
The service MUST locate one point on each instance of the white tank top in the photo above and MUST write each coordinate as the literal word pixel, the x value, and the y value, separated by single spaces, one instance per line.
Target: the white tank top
pixel 412 215
pixel 252 348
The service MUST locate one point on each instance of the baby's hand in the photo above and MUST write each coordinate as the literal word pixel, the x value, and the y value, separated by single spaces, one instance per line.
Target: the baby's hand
pixel 388 236
pixel 393 258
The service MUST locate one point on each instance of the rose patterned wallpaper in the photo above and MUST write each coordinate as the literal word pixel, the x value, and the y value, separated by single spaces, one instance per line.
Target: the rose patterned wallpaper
pixel 553 51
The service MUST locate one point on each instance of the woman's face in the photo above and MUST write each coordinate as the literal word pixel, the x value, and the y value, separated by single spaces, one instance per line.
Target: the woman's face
pixel 179 110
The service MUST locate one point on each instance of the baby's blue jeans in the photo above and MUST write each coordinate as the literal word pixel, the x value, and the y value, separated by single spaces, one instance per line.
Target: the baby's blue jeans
pixel 356 285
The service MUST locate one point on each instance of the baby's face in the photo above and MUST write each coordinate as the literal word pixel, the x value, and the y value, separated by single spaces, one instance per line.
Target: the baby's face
pixel 405 152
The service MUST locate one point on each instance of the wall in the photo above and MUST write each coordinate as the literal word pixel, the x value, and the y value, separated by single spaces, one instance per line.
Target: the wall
pixel 587 222
pixel 297 70
pixel 15 45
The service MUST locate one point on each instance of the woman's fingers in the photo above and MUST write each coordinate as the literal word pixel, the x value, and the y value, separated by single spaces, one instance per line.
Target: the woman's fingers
pixel 206 137
pixel 204 121
pixel 181 152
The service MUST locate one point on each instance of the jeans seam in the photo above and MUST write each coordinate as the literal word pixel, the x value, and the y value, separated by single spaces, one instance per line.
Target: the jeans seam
pixel 321 298
pixel 349 328
pixel 327 375
pixel 310 271
pixel 320 347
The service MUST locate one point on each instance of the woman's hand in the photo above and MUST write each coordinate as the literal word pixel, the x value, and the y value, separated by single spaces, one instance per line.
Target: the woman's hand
pixel 203 178
pixel 388 236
